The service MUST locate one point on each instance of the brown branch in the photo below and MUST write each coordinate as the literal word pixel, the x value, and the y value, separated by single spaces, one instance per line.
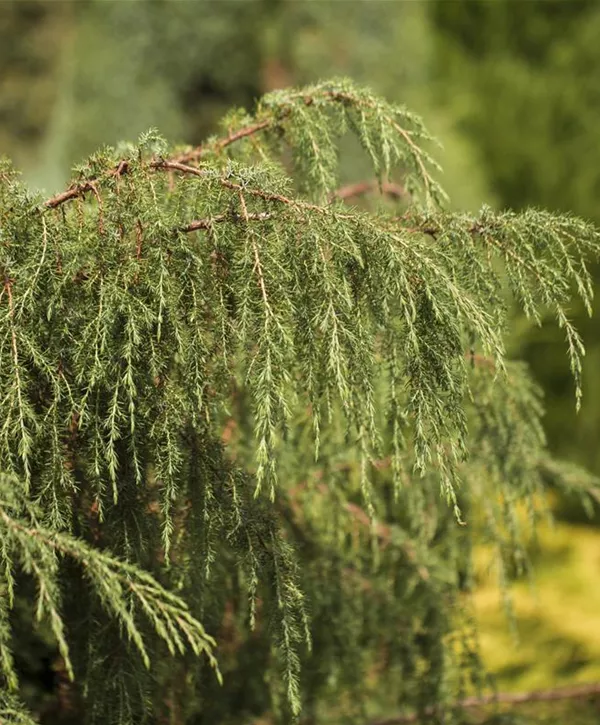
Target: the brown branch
pixel 179 163
pixel 395 191
pixel 81 188
pixel 197 153
pixel 94 189
pixel 194 171
pixel 481 361
pixel 177 166
pixel 269 197
pixel 186 169
pixel 505 698
pixel 70 193
pixel 198 224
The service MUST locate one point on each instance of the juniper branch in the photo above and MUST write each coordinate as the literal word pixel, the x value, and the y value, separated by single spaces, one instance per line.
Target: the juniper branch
pixel 572 692
pixel 366 351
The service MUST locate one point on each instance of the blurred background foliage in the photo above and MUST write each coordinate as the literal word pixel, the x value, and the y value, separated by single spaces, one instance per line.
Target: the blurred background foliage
pixel 511 90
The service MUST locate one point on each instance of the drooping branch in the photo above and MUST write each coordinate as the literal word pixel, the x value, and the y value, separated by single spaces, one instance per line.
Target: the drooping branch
pixel 504 698
pixel 295 306
pixel 353 99
pixel 416 152
pixel 112 579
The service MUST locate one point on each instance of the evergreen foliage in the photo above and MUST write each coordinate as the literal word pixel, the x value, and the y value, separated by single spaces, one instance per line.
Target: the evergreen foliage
pixel 231 402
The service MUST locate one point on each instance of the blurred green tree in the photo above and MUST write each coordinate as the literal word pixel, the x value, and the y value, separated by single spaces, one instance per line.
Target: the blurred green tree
pixel 520 81
pixel 116 69
pixel 31 35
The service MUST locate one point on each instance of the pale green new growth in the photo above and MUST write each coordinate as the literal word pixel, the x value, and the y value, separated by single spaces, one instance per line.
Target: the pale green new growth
pixel 352 363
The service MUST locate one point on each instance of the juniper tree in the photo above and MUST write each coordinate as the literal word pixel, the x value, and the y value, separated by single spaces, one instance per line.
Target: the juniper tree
pixel 253 425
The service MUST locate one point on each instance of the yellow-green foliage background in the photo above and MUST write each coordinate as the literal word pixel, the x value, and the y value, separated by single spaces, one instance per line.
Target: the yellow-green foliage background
pixel 556 636
pixel 509 87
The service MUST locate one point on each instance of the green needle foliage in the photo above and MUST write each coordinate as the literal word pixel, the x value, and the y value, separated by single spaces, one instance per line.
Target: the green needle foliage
pixel 231 401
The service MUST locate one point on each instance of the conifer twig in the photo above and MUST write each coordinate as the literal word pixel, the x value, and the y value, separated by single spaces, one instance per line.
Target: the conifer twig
pixel 25 441
pixel 415 150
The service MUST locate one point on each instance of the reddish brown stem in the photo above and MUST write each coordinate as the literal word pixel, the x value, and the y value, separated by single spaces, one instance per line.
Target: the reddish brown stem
pixel 207 223
pixel 96 193
pixel 506 698
pixel 80 189
pixel 395 191
pixel 197 153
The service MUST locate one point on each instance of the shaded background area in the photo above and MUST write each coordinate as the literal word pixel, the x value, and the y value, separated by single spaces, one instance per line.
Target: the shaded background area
pixel 510 88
